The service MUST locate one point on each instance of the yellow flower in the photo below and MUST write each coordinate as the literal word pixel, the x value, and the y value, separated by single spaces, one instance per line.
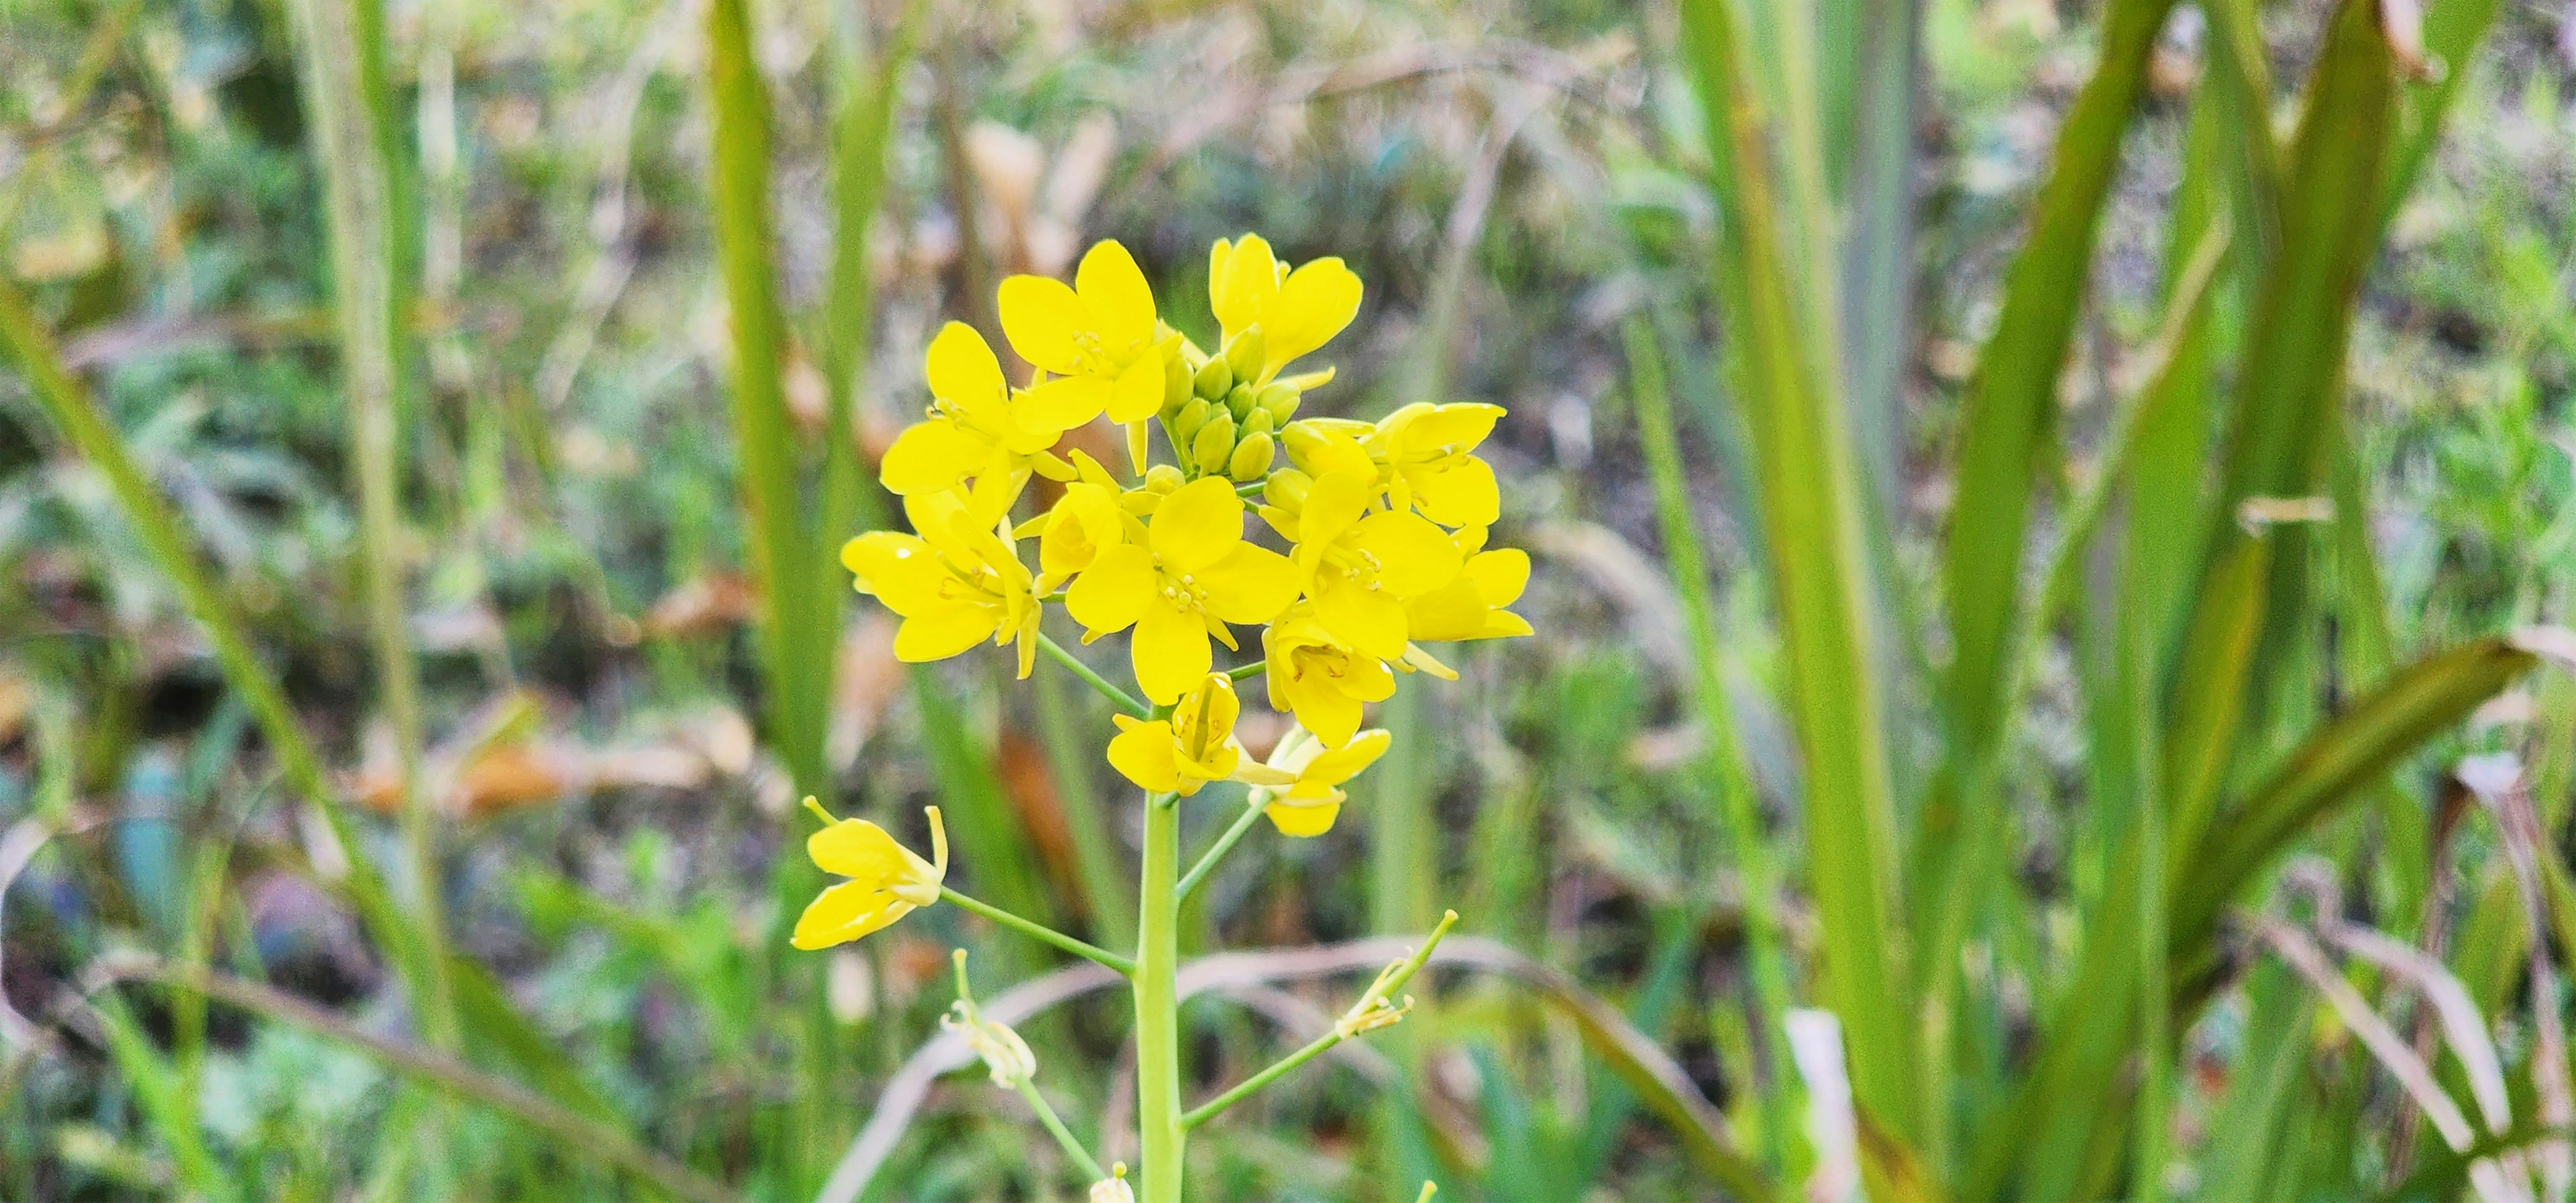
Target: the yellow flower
pixel 1193 574
pixel 1424 452
pixel 1308 804
pixel 1193 747
pixel 1297 311
pixel 1090 518
pixel 955 584
pixel 886 881
pixel 1471 606
pixel 1319 678
pixel 1097 335
pixel 1360 568
pixel 978 430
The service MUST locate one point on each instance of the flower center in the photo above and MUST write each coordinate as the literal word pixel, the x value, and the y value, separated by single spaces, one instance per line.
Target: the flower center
pixel 1182 589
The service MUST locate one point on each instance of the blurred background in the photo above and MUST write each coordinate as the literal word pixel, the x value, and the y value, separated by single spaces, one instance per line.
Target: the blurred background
pixel 564 723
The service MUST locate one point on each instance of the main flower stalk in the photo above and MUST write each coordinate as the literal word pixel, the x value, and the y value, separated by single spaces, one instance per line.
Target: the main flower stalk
pixel 1158 1018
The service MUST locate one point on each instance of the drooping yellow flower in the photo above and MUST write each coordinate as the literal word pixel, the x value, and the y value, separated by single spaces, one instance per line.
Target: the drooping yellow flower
pixel 1471 606
pixel 1297 311
pixel 1360 568
pixel 1318 678
pixel 1007 1058
pixel 1193 574
pixel 978 431
pixel 1196 745
pixel 1097 337
pixel 1308 804
pixel 1426 455
pixel 886 880
pixel 955 584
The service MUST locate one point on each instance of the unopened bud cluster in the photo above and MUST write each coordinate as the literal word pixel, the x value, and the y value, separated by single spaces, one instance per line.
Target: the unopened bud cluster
pixel 1220 415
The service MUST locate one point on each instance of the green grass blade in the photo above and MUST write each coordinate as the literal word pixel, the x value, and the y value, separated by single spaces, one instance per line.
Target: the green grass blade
pixel 1811 510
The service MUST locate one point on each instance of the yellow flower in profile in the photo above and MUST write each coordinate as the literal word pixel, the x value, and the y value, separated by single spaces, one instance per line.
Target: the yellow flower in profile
pixel 955 584
pixel 1312 799
pixel 886 880
pixel 978 430
pixel 1297 311
pixel 1089 519
pixel 1318 678
pixel 1425 453
pixel 1471 606
pixel 1098 336
pixel 1360 568
pixel 1196 745
pixel 1193 574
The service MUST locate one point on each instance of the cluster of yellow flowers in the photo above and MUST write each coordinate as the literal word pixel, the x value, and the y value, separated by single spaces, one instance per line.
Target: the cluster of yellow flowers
pixel 1384 524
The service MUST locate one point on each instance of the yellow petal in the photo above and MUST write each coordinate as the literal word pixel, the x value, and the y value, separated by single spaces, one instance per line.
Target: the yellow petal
pixel 937 634
pixel 847 912
pixel 1413 556
pixel 1303 819
pixel 1317 302
pixel 961 367
pixel 1143 754
pixel 1459 492
pixel 1450 429
pixel 898 568
pixel 1366 619
pixel 1121 304
pixel 1500 575
pixel 1040 316
pixel 1252 584
pixel 1115 591
pixel 1334 505
pixel 930 456
pixel 1328 712
pixel 1240 291
pixel 1197 525
pixel 1138 394
pixel 1062 404
pixel 1345 762
pixel 1171 651
pixel 859 849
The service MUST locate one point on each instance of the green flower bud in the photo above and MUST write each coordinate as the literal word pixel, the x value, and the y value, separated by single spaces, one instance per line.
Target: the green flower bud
pixel 1251 457
pixel 1186 423
pixel 1257 422
pixel 1287 489
pixel 1245 353
pixel 1303 443
pixel 1213 379
pixel 1239 403
pixel 1177 381
pixel 1280 398
pixel 1213 444
pixel 1163 478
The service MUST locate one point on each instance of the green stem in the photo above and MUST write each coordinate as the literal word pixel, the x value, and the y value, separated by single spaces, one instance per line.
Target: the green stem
pixel 1158 1021
pixel 1249 671
pixel 1063 1136
pixel 1378 992
pixel 1216 852
pixel 1117 697
pixel 1040 932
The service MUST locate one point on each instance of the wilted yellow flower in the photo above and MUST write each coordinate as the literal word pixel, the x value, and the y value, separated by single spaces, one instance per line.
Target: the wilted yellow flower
pixel 978 430
pixel 1360 568
pixel 1098 336
pixel 1006 1057
pixel 1318 678
pixel 1425 453
pixel 887 881
pixel 1193 574
pixel 1309 802
pixel 1114 1188
pixel 1296 312
pixel 955 584
pixel 1196 745
pixel 1471 606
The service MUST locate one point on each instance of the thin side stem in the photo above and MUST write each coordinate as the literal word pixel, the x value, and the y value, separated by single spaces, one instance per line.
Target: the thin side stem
pixel 1117 697
pixel 1378 992
pixel 1216 852
pixel 1162 1133
pixel 1249 671
pixel 1063 1135
pixel 1040 932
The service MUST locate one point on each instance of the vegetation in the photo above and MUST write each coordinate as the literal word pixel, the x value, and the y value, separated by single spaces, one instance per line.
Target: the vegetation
pixel 2047 533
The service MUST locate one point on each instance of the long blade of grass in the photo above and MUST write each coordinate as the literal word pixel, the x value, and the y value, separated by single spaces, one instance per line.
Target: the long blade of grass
pixel 1812 514
pixel 343 67
pixel 1748 844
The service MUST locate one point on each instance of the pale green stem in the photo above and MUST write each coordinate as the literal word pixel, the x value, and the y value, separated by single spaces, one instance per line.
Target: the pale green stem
pixel 1224 843
pixel 1384 988
pixel 1063 1135
pixel 1040 932
pixel 1158 1021
pixel 1249 671
pixel 1117 697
